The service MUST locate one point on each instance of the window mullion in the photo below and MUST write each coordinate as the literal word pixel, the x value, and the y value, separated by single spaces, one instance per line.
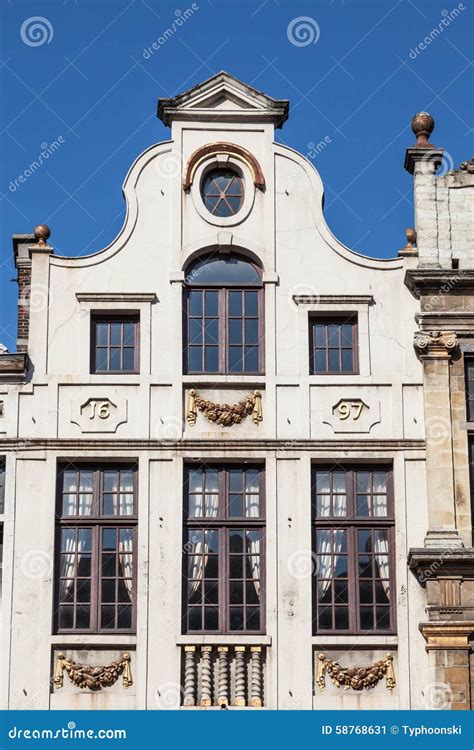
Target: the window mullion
pixel 354 626
pixel 223 326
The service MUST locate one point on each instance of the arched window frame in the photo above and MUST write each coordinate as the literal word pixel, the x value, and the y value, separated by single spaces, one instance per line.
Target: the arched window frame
pixel 220 306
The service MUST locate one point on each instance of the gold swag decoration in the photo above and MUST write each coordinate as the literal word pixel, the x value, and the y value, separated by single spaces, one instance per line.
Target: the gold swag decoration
pixel 94 678
pixel 357 678
pixel 225 414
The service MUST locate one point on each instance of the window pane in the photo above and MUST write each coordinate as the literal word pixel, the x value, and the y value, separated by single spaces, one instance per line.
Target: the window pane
pixel 115 359
pixel 251 303
pixel 333 334
pixel 195 331
pixel 228 269
pixel 251 331
pixel 236 618
pixel 211 359
pixel 66 616
pixel 366 618
pixel 236 506
pixel 236 541
pixel 320 360
pixel 211 331
pixel 319 332
pixel 235 331
pixel 235 303
pixel 115 334
pixel 341 618
pixel 101 360
pixel 251 359
pixel 108 590
pixel 107 616
pixel 347 360
pixel 212 304
pixel 101 334
pixel 211 618
pixel 124 617
pixel 333 360
pixel 128 358
pixel 195 358
pixel 236 592
pixel 236 362
pixel 346 335
pixel 195 303
pixel 129 334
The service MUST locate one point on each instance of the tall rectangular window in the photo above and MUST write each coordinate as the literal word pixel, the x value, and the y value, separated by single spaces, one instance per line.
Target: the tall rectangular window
pixel 469 380
pixel 96 548
pixel 353 538
pixel 224 548
pixel 333 345
pixel 114 343
pixel 223 331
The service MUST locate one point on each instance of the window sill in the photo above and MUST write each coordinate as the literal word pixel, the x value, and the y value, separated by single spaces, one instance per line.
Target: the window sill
pixel 366 640
pixel 218 379
pixel 114 639
pixel 224 640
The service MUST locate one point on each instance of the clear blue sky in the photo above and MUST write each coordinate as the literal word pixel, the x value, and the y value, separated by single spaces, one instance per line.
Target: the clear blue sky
pixel 357 84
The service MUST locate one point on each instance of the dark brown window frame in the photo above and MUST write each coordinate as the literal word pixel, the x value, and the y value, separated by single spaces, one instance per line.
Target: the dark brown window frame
pixel 339 318
pixel 224 523
pixel 96 521
pixel 115 316
pixel 353 523
pixel 2 484
pixel 469 387
pixel 223 290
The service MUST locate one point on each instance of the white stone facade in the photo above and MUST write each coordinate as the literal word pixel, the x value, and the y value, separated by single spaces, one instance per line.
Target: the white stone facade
pixel 45 420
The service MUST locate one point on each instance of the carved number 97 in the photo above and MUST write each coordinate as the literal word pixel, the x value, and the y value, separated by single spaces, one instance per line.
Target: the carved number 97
pixel 346 407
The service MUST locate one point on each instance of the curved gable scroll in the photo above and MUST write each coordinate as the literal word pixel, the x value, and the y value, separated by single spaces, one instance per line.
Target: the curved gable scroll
pixel 230 149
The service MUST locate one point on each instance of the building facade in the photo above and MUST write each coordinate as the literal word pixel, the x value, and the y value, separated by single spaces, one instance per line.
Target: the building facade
pixel 225 480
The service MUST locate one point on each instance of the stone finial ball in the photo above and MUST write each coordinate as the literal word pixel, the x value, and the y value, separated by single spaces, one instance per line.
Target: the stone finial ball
pixel 42 232
pixel 422 123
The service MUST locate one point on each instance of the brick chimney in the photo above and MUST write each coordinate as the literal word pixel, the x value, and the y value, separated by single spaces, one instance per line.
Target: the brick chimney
pixel 22 257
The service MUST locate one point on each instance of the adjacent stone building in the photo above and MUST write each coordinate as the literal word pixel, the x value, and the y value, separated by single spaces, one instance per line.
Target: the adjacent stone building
pixel 234 453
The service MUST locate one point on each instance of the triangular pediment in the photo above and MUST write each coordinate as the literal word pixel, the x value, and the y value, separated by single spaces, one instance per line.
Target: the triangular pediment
pixel 223 97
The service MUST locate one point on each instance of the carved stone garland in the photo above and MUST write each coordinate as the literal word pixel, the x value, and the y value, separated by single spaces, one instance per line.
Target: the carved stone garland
pixel 225 414
pixel 357 678
pixel 94 678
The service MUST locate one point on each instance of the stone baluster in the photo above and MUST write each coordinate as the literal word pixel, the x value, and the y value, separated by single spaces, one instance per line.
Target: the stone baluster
pixel 223 676
pixel 206 678
pixel 256 676
pixel 240 676
pixel 189 676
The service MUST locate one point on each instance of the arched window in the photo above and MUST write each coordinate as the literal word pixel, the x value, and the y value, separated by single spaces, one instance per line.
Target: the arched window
pixel 223 316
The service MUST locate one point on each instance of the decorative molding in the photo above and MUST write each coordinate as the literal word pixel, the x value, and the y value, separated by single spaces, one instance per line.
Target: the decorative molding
pixel 447 635
pixel 225 414
pixel 13 366
pixel 138 297
pixel 435 344
pixel 355 678
pixel 444 281
pixel 467 166
pixel 93 678
pixel 333 299
pixel 460 321
pixel 99 414
pixel 351 415
pixel 231 150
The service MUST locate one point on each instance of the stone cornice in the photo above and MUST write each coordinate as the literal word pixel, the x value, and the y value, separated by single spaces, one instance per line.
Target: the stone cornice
pixel 447 635
pixel 13 366
pixel 444 561
pixel 116 297
pixel 333 299
pixel 443 281
pixel 435 344
pixel 461 321
pixel 219 443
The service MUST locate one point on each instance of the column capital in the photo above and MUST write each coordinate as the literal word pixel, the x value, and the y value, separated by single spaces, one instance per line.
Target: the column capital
pixel 435 344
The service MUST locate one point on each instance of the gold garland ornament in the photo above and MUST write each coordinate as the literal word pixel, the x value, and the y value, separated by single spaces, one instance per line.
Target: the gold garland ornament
pixel 357 678
pixel 94 678
pixel 225 414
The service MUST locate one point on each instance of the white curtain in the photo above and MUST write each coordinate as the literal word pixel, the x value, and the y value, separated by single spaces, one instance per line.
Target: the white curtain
pixel 323 494
pixel 339 496
pixel 69 561
pixel 126 558
pixel 82 494
pixel 252 510
pixel 381 557
pixel 203 502
pixel 326 545
pixel 379 494
pixel 126 494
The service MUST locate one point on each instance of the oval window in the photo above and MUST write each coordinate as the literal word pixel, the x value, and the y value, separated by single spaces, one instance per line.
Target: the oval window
pixel 222 192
